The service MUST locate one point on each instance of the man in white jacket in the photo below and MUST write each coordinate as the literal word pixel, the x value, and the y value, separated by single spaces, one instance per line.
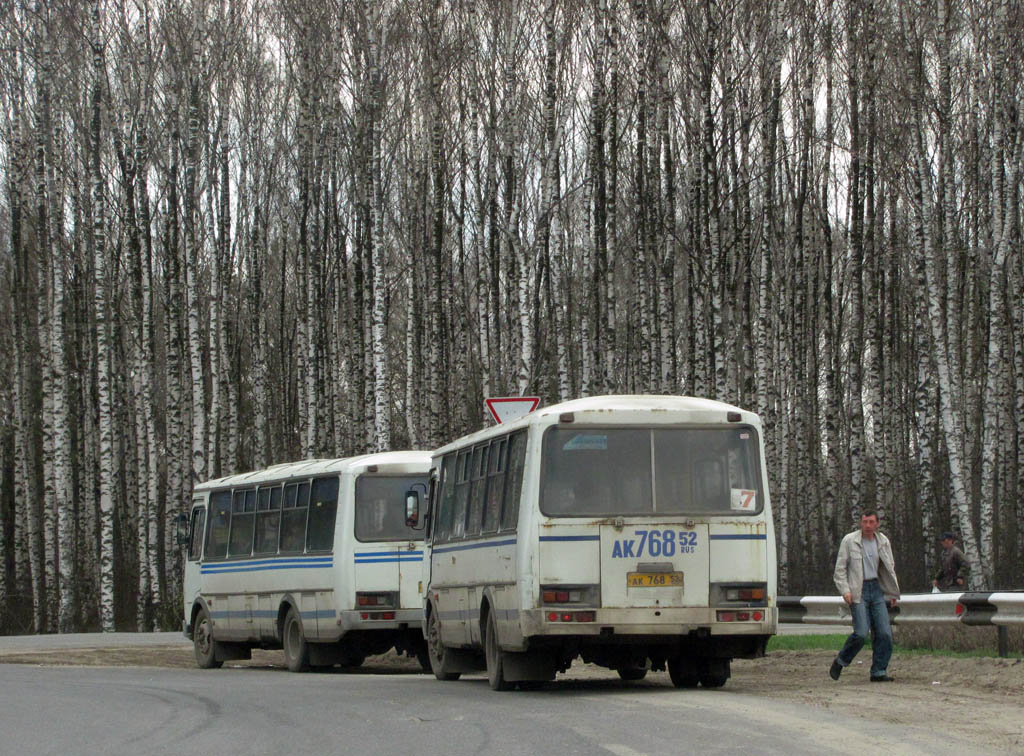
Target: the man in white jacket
pixel 866 578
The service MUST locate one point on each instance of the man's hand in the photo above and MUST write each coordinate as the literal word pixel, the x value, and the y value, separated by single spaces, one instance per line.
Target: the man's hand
pixel 893 602
pixel 959 581
pixel 848 598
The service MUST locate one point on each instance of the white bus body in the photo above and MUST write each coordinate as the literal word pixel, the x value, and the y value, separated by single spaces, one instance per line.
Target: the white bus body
pixel 632 531
pixel 314 556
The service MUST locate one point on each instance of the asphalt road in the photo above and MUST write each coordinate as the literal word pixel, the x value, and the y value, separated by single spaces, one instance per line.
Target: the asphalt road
pixel 82 710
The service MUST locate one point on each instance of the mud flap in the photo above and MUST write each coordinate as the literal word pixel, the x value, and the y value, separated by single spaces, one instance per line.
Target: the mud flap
pixel 460 660
pixel 533 666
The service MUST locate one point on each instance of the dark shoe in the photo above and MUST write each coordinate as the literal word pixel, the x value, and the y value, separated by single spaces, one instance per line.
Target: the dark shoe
pixel 835 670
pixel 882 678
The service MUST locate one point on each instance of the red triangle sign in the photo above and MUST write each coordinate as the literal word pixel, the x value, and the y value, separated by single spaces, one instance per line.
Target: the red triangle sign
pixel 505 409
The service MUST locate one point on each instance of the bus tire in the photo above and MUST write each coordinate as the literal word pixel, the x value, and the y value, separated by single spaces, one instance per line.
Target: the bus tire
pixel 683 672
pixel 203 644
pixel 296 650
pixel 493 655
pixel 714 673
pixel 435 649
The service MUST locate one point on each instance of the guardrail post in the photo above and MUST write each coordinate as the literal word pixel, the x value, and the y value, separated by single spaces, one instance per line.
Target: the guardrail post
pixel 1004 641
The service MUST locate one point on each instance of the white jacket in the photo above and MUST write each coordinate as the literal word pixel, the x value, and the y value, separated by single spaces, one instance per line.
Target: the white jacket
pixel 849 573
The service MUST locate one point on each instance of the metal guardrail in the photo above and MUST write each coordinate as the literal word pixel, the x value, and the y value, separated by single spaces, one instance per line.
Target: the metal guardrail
pixel 1000 609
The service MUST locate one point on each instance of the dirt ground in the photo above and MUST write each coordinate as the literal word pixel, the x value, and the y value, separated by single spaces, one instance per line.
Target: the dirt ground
pixel 979 699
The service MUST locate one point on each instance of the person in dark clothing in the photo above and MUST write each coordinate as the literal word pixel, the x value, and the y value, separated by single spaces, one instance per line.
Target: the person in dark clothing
pixel 953 567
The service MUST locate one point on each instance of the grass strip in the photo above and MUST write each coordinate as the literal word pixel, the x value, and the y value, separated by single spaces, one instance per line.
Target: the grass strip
pixel 834 642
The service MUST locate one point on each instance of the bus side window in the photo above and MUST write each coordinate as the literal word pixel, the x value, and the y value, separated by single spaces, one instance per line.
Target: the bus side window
pixel 293 518
pixel 268 520
pixel 478 490
pixel 220 522
pixel 243 520
pixel 461 494
pixel 323 510
pixel 446 501
pixel 495 485
pixel 514 480
pixel 195 541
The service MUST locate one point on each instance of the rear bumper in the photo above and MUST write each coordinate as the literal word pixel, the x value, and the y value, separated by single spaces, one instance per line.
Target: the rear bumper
pixel 650 622
pixel 352 619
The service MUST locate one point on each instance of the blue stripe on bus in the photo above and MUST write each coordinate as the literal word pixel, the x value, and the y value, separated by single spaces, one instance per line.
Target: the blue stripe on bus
pixel 217 570
pixel 269 614
pixel 571 538
pixel 361 554
pixel 739 537
pixel 380 560
pixel 481 545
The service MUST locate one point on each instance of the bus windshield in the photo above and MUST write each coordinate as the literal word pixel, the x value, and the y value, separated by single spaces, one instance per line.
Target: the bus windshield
pixel 649 471
pixel 380 507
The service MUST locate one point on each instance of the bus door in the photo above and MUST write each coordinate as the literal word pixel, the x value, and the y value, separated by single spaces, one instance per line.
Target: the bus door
pixel 385 546
pixel 194 554
pixel 410 574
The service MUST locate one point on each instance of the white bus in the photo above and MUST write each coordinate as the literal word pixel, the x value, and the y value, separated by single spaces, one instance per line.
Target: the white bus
pixel 314 557
pixel 634 532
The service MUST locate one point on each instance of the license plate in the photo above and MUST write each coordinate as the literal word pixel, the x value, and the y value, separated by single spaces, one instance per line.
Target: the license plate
pixel 654 580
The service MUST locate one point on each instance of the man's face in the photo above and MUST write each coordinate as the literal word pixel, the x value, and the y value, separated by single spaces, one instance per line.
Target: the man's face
pixel 947 543
pixel 868 525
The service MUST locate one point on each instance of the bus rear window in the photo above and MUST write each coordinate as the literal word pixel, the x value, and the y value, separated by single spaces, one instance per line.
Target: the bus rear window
pixel 649 471
pixel 380 507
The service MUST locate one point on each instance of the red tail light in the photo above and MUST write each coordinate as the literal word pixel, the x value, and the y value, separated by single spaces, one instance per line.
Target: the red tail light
pixel 586 616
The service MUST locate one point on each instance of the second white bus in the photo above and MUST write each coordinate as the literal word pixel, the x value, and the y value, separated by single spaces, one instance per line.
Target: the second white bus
pixel 634 532
pixel 313 556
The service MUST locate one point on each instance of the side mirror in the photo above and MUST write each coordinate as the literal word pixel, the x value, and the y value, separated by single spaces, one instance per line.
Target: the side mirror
pixel 412 506
pixel 181 533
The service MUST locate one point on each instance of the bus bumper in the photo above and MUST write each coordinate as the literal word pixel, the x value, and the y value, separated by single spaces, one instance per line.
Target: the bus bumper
pixel 646 622
pixel 363 620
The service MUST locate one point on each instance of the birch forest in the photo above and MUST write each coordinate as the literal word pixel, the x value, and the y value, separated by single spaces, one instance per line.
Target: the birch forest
pixel 240 232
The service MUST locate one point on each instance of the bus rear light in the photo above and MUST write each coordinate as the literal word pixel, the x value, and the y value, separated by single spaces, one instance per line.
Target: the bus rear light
pixel 559 594
pixel 376 599
pixel 377 615
pixel 590 616
pixel 744 594
pixel 740 616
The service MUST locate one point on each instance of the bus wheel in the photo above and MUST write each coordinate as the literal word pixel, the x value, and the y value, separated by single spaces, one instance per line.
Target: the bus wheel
pixel 203 643
pixel 435 649
pixel 714 673
pixel 633 673
pixel 683 673
pixel 492 651
pixel 296 650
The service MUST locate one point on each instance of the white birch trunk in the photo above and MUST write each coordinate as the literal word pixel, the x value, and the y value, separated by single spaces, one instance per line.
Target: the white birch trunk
pixel 381 384
pixel 952 422
pixel 193 292
pixel 103 351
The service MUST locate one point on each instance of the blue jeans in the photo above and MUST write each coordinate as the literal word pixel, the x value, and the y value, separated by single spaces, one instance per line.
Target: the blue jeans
pixel 869 613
